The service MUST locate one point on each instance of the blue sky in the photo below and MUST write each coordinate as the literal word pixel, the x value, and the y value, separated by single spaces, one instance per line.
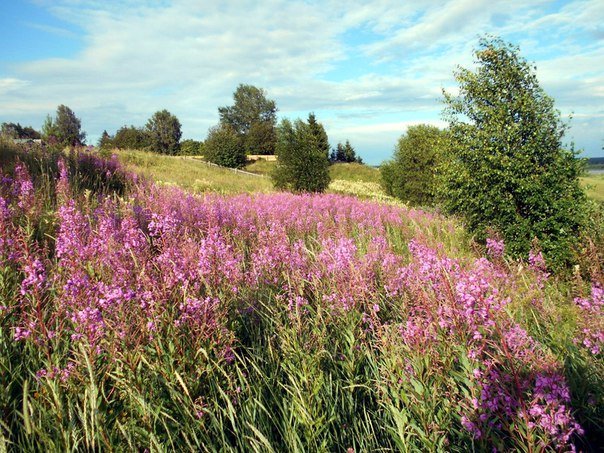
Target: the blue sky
pixel 368 69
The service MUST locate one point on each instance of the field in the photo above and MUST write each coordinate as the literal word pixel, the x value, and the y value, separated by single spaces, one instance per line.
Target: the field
pixel 140 316
pixel 191 174
pixel 594 184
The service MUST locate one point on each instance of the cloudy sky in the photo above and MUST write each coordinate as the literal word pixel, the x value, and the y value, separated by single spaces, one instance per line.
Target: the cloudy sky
pixel 368 69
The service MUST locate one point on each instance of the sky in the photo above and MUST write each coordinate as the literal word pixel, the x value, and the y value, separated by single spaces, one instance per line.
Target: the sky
pixel 368 69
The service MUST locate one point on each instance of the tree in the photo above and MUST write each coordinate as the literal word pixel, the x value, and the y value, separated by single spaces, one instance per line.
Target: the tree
pixel 318 131
pixel 345 153
pixel 105 141
pixel 507 167
pixel 130 137
pixel 164 132
pixel 66 127
pixel 302 162
pixel 253 118
pixel 12 130
pixel 191 147
pixel 410 175
pixel 223 147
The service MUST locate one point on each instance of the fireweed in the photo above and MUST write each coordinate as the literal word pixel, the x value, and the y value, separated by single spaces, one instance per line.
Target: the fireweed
pixel 124 275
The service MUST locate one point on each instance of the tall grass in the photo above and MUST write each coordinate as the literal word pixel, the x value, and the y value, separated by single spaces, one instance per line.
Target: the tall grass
pixel 143 317
pixel 191 174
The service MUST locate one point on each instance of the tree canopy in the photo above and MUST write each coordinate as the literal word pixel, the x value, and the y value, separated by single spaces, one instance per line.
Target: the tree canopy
pixel 223 147
pixel 65 127
pixel 345 153
pixel 410 175
pixel 12 130
pixel 253 118
pixel 130 137
pixel 164 132
pixel 507 167
pixel 302 158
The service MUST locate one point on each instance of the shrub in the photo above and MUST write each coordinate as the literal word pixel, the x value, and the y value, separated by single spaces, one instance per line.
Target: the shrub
pixel 410 176
pixel 223 147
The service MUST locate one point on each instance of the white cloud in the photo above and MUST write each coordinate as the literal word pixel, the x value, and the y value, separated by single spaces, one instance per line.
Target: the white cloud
pixel 189 56
pixel 11 84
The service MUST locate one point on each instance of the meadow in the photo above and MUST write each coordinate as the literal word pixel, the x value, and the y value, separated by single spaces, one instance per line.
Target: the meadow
pixel 143 316
pixel 594 185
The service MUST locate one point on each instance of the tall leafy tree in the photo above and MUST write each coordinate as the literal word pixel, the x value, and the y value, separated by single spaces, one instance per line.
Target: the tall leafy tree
pixel 66 127
pixel 164 132
pixel 410 175
pixel 302 162
pixel 253 118
pixel 507 167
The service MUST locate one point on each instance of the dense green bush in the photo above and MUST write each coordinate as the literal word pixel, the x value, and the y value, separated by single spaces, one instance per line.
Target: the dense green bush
pixel 223 147
pixel 410 175
pixel 191 147
pixel 507 168
pixel 130 137
pixel 303 161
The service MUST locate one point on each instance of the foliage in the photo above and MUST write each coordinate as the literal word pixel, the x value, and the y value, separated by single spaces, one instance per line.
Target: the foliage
pixel 253 118
pixel 164 132
pixel 231 324
pixel 65 128
pixel 164 321
pixel 261 138
pixel 507 167
pixel 223 147
pixel 303 162
pixel 317 130
pixel 191 147
pixel 345 153
pixel 410 176
pixel 105 142
pixel 130 137
pixel 12 130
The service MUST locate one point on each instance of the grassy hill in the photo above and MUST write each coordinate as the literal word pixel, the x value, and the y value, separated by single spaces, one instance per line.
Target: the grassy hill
pixel 191 174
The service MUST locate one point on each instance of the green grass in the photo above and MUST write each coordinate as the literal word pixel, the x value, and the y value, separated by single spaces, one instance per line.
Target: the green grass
pixel 594 185
pixel 261 167
pixel 191 174
pixel 354 172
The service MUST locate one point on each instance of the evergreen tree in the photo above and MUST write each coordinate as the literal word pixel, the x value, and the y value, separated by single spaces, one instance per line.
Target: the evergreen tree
pixel 345 153
pixel 105 141
pixel 318 132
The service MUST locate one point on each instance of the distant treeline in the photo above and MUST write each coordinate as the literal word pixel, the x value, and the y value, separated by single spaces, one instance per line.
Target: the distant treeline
pixel 595 162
